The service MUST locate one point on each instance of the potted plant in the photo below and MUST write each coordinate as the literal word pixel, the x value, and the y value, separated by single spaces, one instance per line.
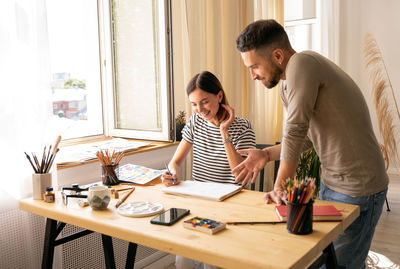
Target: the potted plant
pixel 180 122
pixel 309 166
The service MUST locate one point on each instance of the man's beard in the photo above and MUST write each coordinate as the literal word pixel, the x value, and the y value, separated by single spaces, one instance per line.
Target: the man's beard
pixel 275 78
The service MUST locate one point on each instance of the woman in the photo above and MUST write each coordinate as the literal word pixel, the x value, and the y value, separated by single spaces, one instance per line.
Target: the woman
pixel 213 131
pixel 215 134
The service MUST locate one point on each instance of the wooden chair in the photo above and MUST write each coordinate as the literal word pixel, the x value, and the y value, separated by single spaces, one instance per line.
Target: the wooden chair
pixel 262 172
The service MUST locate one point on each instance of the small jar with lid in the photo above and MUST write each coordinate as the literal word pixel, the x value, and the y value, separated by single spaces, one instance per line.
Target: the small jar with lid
pixel 49 196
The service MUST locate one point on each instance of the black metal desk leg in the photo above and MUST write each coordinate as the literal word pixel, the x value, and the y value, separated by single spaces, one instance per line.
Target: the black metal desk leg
pixel 48 249
pixel 108 251
pixel 328 257
pixel 130 257
pixel 331 261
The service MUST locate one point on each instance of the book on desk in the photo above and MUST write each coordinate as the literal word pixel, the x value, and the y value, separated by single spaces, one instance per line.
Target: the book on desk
pixel 205 190
pixel 320 213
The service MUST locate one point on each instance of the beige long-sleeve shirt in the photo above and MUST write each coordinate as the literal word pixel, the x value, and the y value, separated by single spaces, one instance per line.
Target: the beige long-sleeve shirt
pixel 326 108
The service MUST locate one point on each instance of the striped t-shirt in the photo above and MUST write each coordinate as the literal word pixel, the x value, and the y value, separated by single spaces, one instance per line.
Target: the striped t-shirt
pixel 210 163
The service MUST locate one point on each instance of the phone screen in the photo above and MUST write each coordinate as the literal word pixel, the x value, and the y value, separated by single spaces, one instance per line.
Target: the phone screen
pixel 170 216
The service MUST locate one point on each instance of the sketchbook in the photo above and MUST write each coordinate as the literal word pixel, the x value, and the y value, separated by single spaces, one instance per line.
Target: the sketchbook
pixel 206 190
pixel 137 174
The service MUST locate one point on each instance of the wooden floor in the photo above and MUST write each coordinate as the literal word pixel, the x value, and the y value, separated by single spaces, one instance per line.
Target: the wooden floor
pixel 386 240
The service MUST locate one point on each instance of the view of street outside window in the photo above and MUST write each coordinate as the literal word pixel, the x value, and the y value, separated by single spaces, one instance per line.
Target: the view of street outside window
pixel 75 67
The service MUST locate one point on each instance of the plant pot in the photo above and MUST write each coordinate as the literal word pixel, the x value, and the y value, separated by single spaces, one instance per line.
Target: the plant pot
pixel 178 129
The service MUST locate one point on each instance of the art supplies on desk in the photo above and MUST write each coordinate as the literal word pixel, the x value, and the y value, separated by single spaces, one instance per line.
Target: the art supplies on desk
pixel 204 225
pixel 205 190
pixel 109 162
pixel 43 166
pixel 42 178
pixel 123 199
pixel 299 209
pixel 320 213
pixel 137 174
pixel 140 209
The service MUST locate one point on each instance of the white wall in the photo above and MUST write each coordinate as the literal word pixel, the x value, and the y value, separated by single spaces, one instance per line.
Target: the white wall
pixel 382 20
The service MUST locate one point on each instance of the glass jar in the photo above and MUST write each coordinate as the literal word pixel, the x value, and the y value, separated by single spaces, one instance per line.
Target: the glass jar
pixel 49 196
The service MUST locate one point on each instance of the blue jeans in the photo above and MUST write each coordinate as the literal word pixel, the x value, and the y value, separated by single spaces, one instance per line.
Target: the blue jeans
pixel 353 244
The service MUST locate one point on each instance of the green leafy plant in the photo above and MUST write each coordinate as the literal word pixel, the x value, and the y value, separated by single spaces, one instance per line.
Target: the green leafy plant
pixel 180 121
pixel 181 117
pixel 74 83
pixel 309 166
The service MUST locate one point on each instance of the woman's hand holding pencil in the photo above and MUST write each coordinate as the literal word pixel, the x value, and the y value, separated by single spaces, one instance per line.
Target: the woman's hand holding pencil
pixel 169 178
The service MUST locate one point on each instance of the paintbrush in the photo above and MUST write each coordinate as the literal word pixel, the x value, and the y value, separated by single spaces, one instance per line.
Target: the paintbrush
pixel 30 161
pixel 53 154
pixel 124 198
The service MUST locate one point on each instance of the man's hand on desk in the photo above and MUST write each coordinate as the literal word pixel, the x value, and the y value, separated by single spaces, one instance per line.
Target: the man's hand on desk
pixel 278 196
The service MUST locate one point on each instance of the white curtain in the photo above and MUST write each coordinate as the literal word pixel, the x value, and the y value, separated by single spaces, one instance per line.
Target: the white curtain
pixel 25 95
pixel 25 107
pixel 329 22
pixel 265 106
pixel 208 30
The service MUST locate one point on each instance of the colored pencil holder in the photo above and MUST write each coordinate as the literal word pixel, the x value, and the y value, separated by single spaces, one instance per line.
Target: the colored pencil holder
pixel 39 184
pixel 299 217
pixel 109 176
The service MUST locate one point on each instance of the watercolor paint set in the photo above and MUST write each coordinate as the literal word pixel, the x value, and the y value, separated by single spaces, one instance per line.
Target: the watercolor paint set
pixel 204 225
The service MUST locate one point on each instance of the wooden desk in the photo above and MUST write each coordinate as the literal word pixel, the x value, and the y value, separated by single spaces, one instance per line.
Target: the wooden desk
pixel 238 246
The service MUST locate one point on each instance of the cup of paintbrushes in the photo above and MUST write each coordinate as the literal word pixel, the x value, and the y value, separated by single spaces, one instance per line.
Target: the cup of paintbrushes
pixel 109 175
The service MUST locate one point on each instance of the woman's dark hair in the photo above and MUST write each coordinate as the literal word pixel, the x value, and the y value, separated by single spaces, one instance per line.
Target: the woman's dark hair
pixel 208 82
pixel 263 34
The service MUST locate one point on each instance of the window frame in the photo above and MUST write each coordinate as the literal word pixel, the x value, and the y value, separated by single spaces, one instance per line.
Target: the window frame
pixel 108 76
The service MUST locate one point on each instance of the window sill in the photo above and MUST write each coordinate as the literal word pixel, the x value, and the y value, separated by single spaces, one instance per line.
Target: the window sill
pixel 153 145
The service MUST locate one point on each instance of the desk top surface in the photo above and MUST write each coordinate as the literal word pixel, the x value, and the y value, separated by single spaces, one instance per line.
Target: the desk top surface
pixel 238 246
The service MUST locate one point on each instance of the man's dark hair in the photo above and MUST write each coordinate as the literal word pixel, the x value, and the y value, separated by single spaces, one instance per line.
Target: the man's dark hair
pixel 263 34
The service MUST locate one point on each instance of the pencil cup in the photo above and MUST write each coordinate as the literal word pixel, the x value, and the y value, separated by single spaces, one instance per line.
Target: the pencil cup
pixel 99 197
pixel 39 184
pixel 109 176
pixel 299 217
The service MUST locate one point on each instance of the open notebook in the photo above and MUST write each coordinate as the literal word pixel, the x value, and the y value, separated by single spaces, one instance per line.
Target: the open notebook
pixel 206 190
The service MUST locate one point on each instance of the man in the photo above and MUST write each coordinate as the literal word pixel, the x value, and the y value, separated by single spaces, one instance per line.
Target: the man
pixel 326 110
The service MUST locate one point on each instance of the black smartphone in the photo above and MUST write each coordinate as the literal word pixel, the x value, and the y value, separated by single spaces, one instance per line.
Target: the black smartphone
pixel 170 216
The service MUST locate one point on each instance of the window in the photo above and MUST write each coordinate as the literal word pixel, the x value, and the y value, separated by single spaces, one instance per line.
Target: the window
pixel 75 67
pixel 301 24
pixel 140 69
pixel 110 65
